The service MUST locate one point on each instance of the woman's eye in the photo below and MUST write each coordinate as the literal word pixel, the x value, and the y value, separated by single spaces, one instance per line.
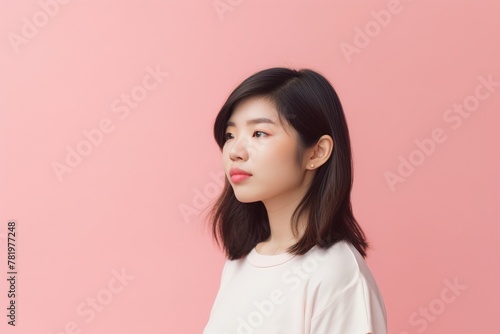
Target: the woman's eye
pixel 227 135
pixel 258 134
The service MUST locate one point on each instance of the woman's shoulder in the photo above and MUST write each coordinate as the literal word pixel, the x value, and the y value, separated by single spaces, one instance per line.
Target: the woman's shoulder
pixel 344 284
pixel 336 268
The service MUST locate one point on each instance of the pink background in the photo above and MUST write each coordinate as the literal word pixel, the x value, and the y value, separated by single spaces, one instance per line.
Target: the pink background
pixel 136 201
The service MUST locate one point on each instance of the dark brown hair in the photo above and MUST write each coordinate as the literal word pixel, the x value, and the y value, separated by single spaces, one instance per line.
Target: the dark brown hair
pixel 308 103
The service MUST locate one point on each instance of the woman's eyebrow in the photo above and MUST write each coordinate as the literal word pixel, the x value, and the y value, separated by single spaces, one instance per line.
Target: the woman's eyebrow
pixel 253 121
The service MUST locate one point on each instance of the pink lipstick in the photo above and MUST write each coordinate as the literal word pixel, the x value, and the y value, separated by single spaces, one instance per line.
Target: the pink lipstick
pixel 238 175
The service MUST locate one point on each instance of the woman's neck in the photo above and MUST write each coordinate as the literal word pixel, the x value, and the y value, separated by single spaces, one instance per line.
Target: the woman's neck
pixel 280 224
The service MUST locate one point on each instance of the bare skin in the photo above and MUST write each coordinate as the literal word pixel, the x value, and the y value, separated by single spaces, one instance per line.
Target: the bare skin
pixel 267 151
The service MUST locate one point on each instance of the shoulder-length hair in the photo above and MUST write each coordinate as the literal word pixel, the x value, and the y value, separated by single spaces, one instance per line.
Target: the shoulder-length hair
pixel 308 102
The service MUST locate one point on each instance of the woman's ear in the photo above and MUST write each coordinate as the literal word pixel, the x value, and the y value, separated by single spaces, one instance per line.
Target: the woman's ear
pixel 320 152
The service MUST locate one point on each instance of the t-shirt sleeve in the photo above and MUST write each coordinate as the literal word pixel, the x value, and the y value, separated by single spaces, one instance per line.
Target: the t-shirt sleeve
pixel 225 276
pixel 359 309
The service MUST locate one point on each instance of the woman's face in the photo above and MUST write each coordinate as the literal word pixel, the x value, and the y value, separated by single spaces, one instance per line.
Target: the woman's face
pixel 257 143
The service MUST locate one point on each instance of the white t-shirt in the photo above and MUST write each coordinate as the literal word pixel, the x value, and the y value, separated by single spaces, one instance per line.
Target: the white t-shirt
pixel 328 291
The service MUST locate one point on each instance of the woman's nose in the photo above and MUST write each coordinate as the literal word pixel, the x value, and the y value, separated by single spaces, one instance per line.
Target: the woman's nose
pixel 238 150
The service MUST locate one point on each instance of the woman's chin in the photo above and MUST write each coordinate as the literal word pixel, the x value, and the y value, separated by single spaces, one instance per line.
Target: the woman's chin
pixel 244 198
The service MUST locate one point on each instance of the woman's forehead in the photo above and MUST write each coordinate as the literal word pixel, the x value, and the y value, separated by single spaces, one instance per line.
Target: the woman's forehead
pixel 254 107
pixel 258 110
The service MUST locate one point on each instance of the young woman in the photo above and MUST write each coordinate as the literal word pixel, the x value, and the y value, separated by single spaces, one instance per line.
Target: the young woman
pixel 295 253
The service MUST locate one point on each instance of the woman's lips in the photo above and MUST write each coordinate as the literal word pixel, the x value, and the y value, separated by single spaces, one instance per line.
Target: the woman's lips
pixel 236 178
pixel 238 175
